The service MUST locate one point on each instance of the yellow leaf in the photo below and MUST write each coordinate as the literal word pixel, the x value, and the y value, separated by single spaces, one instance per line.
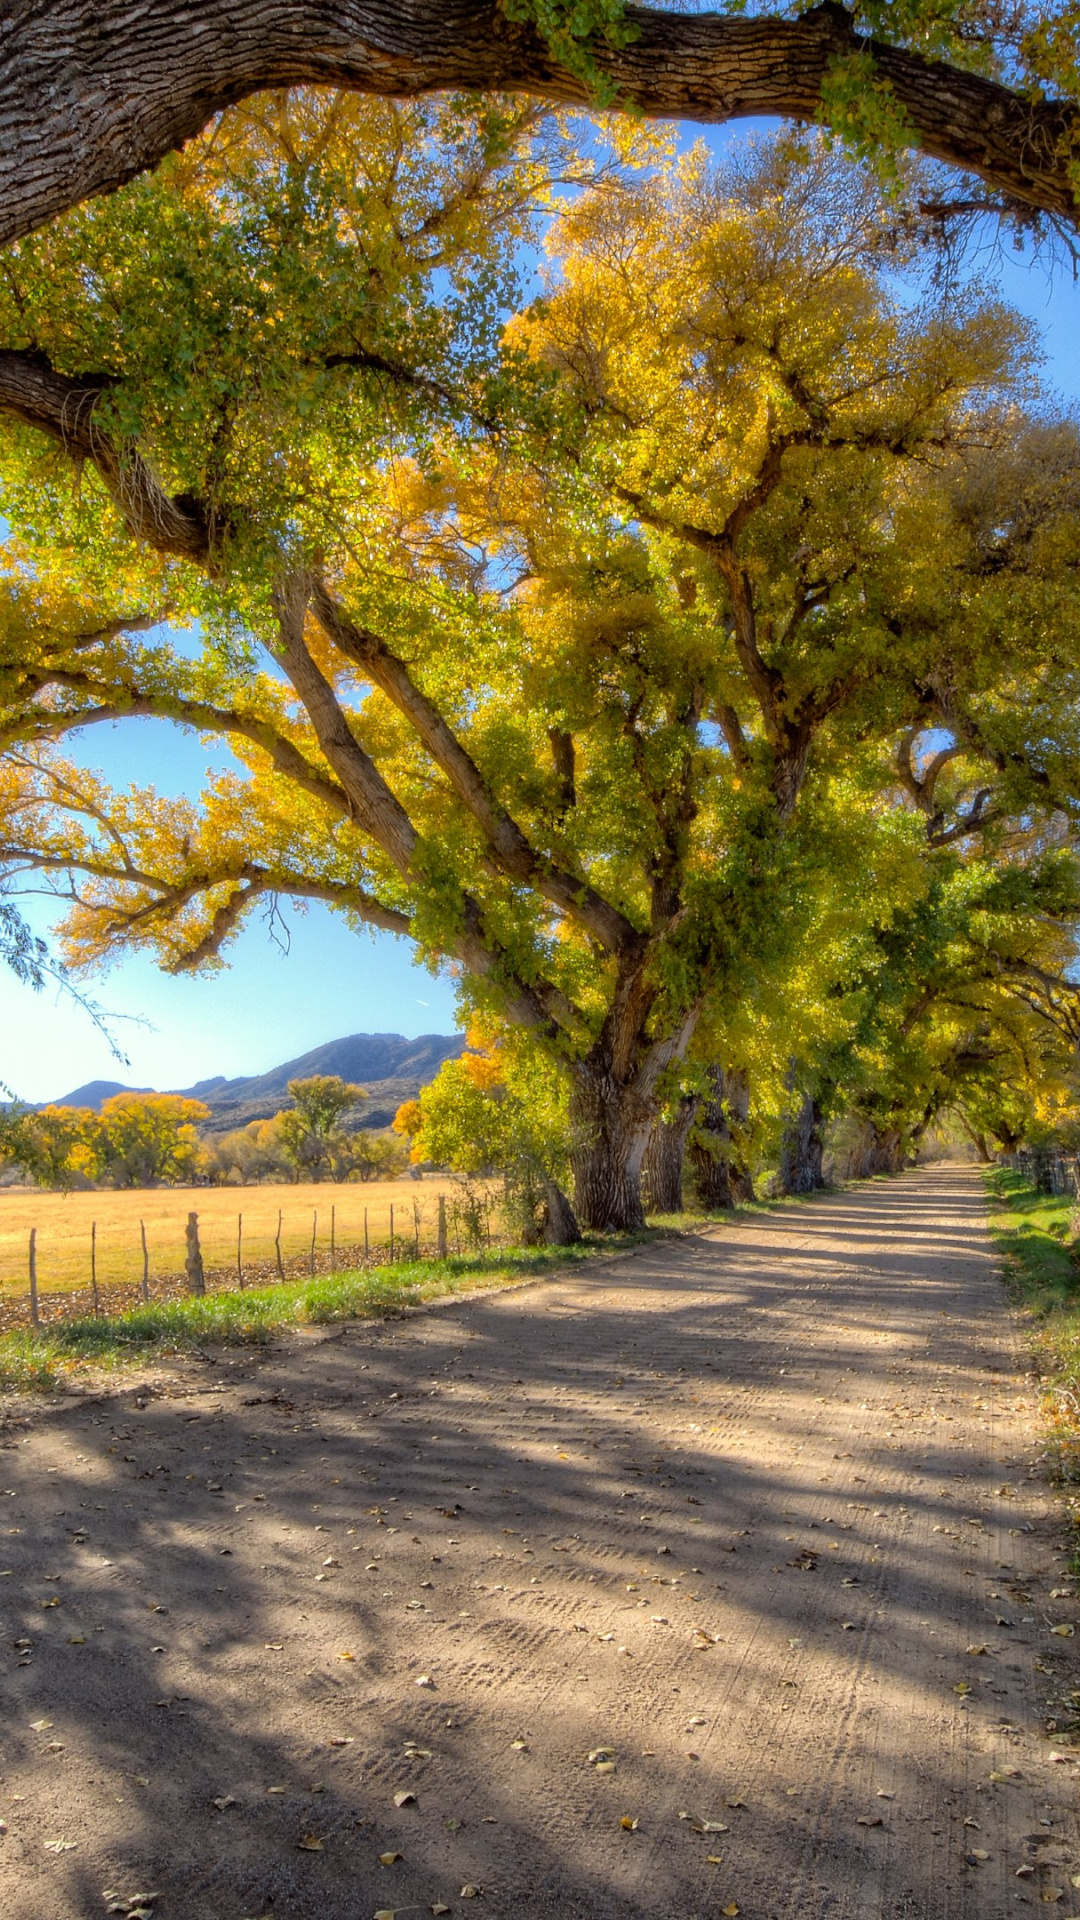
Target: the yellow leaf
pixel 390 1859
pixel 310 1843
pixel 1066 1632
pixel 405 1799
pixel 628 1823
pixel 730 1910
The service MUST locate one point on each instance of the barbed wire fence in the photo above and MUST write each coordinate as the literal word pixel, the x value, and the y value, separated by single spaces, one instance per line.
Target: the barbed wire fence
pixel 400 1231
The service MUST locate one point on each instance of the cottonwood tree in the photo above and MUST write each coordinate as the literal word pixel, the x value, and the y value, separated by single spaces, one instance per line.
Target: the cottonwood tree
pixel 556 654
pixel 94 91
pixel 311 1130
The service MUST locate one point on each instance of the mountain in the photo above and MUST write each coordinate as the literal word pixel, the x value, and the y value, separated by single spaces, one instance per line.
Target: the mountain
pixel 392 1069
pixel 94 1093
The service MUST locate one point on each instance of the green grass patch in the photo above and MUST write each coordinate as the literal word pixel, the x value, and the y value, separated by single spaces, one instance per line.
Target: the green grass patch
pixel 1031 1230
pixel 251 1316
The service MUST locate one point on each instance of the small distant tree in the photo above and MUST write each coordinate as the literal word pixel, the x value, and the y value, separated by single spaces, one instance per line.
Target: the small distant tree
pixel 147 1139
pixel 247 1156
pixel 311 1132
pixel 53 1145
pixel 370 1156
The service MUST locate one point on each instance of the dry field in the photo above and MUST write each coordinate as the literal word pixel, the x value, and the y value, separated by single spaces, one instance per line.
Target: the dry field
pixel 64 1224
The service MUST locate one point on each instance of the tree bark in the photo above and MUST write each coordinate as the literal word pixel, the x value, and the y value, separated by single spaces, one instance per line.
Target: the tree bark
pixel 610 1126
pixel 801 1150
pixel 560 1222
pixel 721 1176
pixel 881 1149
pixel 662 1167
pixel 93 92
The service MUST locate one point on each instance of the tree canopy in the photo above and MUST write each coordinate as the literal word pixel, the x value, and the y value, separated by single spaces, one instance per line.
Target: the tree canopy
pixel 634 647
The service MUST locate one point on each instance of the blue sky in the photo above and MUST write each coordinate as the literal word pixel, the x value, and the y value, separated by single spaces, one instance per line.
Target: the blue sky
pixel 269 1006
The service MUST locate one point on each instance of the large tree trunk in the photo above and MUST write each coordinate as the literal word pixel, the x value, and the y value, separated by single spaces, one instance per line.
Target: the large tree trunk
pixel 93 92
pixel 880 1149
pixel 722 1178
pixel 801 1150
pixel 662 1167
pixel 611 1127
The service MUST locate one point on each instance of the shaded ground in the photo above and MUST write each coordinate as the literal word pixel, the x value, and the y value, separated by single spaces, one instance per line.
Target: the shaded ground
pixel 760 1512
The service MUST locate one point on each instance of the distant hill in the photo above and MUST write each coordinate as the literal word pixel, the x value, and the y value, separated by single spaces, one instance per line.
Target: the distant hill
pixel 392 1069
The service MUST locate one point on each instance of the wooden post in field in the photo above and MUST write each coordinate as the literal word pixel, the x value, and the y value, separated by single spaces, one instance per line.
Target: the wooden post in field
pixel 193 1260
pixel 391 1233
pixel 314 1230
pixel 33 1277
pixel 440 1232
pixel 277 1248
pixel 333 1239
pixel 365 1235
pixel 145 1262
pixel 416 1230
pixel 240 1250
pixel 93 1264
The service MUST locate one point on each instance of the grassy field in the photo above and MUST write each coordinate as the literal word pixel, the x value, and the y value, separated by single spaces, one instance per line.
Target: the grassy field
pixel 36 1361
pixel 1032 1232
pixel 64 1223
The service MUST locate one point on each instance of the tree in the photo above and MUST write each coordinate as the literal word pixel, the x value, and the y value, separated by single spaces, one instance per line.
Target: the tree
pixel 575 654
pixel 311 1132
pixel 92 95
pixel 146 1139
pixel 500 1111
pixel 53 1145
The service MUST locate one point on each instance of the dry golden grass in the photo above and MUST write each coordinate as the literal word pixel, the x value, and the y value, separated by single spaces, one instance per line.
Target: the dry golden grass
pixel 64 1222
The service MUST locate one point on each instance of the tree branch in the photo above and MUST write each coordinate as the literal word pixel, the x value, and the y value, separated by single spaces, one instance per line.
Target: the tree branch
pixel 96 91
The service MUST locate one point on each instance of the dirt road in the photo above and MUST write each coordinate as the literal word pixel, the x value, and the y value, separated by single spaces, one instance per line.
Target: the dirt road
pixel 752 1519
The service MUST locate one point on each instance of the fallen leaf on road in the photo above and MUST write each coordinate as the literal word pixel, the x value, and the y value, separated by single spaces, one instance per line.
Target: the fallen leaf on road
pixel 701 1639
pixel 405 1799
pixel 308 1842
pixel 226 1800
pixel 439 1907
pixel 730 1910
pixel 425 1680
pixel 735 1803
pixel 962 1687
pixel 869 1820
pixel 628 1823
pixel 469 1892
pixel 346 1656
pixel 390 1859
pixel 40 1726
pixel 1050 1894
pixel 340 1740
pixel 976 1649
pixel 978 1853
pixel 60 1846
pixel 1066 1632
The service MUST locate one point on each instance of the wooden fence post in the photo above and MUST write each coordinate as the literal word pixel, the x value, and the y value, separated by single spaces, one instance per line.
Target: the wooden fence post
pixel 193 1262
pixel 277 1249
pixel 333 1239
pixel 33 1277
pixel 93 1265
pixel 440 1239
pixel 145 1262
pixel 416 1230
pixel 314 1230
pixel 240 1251
pixel 365 1235
pixel 391 1233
